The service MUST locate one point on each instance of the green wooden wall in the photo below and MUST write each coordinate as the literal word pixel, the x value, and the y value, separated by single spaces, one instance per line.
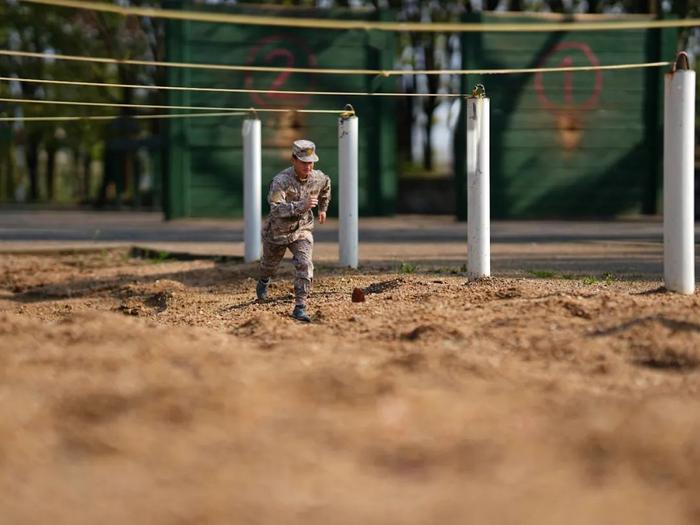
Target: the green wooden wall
pixel 205 154
pixel 584 144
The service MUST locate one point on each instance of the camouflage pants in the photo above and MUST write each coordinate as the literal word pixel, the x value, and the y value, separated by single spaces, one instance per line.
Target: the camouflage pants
pixel 302 251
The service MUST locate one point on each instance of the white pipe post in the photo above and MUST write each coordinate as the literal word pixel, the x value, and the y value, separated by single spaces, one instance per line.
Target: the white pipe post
pixel 348 209
pixel 478 206
pixel 252 183
pixel 679 146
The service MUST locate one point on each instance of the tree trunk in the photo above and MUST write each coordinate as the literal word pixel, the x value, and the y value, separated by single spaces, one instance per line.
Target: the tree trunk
pixel 6 170
pixel 50 172
pixel 430 104
pixel 86 162
pixel 428 144
pixel 655 6
pixel 32 154
pixel 405 125
pixel 556 6
pixel 515 5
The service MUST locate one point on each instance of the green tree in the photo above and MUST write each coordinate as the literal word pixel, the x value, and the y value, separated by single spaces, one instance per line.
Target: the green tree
pixel 31 27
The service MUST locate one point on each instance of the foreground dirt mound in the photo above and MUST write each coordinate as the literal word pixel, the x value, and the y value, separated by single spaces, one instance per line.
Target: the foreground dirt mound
pixel 164 393
pixel 142 299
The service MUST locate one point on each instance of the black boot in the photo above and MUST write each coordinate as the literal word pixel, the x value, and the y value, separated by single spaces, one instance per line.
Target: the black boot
pixel 261 289
pixel 299 314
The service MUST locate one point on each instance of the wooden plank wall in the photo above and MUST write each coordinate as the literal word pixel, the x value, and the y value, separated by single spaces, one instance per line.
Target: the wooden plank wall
pixel 209 175
pixel 578 144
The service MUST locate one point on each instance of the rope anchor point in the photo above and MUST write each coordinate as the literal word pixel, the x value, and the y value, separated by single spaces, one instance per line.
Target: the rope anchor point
pixel 682 62
pixel 347 112
pixel 479 91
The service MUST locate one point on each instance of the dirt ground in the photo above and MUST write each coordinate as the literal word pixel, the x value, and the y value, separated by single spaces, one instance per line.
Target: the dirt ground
pixel 137 391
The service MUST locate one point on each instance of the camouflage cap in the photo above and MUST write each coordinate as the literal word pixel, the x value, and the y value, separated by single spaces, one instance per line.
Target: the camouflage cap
pixel 305 151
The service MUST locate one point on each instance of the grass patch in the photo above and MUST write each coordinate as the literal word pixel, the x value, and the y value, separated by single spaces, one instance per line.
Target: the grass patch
pixel 542 274
pixel 405 267
pixel 160 257
pixel 606 278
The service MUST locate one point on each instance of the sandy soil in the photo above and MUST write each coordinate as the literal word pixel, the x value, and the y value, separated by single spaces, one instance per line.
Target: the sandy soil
pixel 159 392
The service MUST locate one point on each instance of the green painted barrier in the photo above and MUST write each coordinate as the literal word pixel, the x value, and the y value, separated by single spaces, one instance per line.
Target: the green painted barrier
pixel 204 160
pixel 583 144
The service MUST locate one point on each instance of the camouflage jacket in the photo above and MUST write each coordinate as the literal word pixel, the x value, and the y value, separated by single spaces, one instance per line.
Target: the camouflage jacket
pixel 287 222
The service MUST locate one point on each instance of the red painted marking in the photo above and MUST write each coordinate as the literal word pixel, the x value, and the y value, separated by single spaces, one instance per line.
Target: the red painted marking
pixel 282 51
pixel 278 83
pixel 568 61
pixel 568 80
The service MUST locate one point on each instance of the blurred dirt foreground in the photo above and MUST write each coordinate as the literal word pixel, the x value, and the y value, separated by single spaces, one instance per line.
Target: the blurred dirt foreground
pixel 137 391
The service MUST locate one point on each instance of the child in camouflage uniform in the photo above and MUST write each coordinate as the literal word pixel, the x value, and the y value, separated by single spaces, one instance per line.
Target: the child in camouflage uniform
pixel 293 193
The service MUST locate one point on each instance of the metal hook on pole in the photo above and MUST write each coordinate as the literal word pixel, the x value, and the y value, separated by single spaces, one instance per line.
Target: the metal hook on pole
pixel 682 62
pixel 348 111
pixel 252 114
pixel 479 91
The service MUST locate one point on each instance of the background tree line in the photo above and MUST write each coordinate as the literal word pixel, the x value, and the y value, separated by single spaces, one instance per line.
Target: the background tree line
pixel 70 32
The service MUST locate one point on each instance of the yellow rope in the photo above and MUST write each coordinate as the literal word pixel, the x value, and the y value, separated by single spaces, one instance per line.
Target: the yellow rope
pixel 221 67
pixel 379 72
pixel 154 106
pixel 317 23
pixel 226 90
pixel 556 69
pixel 111 117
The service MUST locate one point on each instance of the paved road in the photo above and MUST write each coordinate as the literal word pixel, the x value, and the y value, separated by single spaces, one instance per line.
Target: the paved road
pixel 19 226
pixel 628 247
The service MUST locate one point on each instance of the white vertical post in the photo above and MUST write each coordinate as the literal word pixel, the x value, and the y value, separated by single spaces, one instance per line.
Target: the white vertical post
pixel 679 146
pixel 348 209
pixel 478 206
pixel 252 182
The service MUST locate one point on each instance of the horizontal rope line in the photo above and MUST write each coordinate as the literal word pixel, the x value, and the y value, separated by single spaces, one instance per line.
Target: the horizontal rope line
pixel 228 90
pixel 111 117
pixel 156 63
pixel 319 23
pixel 157 106
pixel 294 92
pixel 560 69
pixel 378 72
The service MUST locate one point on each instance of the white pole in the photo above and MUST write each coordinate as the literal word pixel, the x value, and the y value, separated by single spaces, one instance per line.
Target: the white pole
pixel 478 206
pixel 348 209
pixel 252 182
pixel 679 144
